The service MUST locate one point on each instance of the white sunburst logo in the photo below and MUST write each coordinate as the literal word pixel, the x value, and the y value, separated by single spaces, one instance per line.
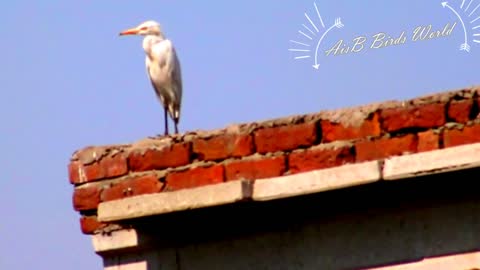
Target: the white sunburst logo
pixel 313 32
pixel 306 48
pixel 470 16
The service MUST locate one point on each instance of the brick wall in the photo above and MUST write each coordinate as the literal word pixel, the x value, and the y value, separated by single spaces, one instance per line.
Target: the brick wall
pixel 268 149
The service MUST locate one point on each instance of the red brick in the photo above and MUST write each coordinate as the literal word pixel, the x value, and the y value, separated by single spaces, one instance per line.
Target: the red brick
pixel 90 224
pixel 428 141
pixel 454 137
pixel 285 137
pixel 86 198
pixel 460 110
pixel 320 158
pixel 195 177
pixel 255 168
pixel 385 147
pixel 132 187
pixel 336 132
pixel 107 167
pixel 73 174
pixel 422 116
pixel 223 146
pixel 156 159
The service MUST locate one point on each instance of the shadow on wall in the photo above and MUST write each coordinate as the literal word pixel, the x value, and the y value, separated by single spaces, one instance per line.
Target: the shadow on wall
pixel 373 225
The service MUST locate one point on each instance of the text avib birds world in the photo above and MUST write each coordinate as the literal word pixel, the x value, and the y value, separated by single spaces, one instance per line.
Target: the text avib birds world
pixel 163 68
pixel 383 40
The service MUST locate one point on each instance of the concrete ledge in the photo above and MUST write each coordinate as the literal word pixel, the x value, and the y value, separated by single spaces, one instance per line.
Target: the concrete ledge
pixel 438 161
pixel 161 203
pixel 400 167
pixel 115 240
pixel 316 181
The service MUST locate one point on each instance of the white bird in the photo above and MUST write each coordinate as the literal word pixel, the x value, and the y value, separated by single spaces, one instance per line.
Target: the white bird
pixel 163 68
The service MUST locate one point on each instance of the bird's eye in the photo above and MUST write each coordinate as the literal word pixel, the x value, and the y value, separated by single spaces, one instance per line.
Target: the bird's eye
pixel 143 28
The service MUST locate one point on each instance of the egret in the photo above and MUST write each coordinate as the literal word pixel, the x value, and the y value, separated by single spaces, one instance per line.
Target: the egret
pixel 163 68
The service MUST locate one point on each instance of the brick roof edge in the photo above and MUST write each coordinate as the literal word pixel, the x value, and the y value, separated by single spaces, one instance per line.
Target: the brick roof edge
pixel 270 149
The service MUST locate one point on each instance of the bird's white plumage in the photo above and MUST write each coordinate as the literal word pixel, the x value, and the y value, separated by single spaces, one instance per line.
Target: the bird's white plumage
pixel 163 68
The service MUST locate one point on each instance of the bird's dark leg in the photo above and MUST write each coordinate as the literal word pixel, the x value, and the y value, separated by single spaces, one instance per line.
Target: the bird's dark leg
pixel 166 122
pixel 176 126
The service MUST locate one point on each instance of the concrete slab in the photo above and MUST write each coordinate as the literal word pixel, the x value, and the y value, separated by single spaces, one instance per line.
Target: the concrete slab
pixel 166 202
pixel 316 181
pixel 115 240
pixel 438 161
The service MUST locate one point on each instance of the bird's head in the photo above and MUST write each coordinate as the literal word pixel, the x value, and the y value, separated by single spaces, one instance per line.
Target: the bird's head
pixel 144 29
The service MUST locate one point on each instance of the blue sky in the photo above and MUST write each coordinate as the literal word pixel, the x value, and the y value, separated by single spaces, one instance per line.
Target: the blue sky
pixel 69 81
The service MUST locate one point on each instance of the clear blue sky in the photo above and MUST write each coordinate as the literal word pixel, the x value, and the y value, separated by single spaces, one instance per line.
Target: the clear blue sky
pixel 68 81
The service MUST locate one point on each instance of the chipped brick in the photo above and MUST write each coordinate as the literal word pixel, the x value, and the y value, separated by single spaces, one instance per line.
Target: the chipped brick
pixel 156 159
pixel 459 110
pixel 223 146
pixel 285 138
pixel 195 177
pixel 336 131
pixel 422 117
pixel 320 158
pixel 86 198
pixel 469 134
pixel 106 167
pixel 255 168
pixel 134 186
pixel 385 147
pixel 428 140
pixel 90 224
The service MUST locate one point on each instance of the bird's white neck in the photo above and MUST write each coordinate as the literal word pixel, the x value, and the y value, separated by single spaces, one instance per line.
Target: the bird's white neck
pixel 150 40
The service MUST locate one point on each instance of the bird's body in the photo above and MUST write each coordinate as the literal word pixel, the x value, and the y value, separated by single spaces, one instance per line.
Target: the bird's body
pixel 163 68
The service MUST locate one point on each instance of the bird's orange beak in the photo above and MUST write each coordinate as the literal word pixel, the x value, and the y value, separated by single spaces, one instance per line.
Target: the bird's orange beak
pixel 131 31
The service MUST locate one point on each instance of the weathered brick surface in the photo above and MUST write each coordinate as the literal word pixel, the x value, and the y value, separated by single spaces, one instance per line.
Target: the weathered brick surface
pixel 385 147
pixel 285 138
pixel 223 146
pixel 134 186
pixel 300 143
pixel 252 169
pixel 106 167
pixel 86 198
pixel 454 137
pixel 320 158
pixel 428 140
pixel 421 116
pixel 199 176
pixel 459 110
pixel 90 224
pixel 155 159
pixel 336 131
